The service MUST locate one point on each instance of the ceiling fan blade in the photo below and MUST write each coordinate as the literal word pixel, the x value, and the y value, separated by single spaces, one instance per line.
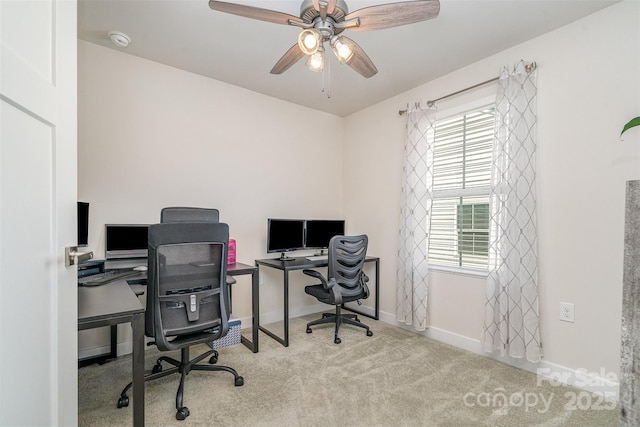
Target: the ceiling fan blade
pixel 254 12
pixel 292 56
pixel 360 61
pixel 394 14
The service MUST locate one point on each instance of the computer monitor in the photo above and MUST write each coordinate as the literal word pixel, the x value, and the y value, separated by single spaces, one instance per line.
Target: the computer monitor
pixel 83 224
pixel 126 241
pixel 320 231
pixel 285 235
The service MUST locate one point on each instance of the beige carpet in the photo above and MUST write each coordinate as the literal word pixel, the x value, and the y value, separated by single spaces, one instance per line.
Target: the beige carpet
pixel 394 378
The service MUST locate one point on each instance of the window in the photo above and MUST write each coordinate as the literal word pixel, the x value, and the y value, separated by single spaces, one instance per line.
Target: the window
pixel 461 181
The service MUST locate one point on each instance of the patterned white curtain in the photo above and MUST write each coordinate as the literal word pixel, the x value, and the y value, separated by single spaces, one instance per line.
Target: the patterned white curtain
pixel 511 311
pixel 415 208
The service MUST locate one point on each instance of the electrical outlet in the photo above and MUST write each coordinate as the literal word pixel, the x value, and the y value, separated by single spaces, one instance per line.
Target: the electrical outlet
pixel 567 312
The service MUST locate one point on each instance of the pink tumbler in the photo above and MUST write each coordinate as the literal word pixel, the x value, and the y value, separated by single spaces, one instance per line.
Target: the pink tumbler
pixel 231 258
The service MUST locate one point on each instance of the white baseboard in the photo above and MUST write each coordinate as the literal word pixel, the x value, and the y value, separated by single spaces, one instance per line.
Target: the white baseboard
pixel 96 351
pixel 602 383
pixel 276 316
pixel 123 348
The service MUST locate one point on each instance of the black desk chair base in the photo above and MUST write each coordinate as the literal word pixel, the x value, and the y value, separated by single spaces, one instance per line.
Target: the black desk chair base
pixel 183 366
pixel 338 318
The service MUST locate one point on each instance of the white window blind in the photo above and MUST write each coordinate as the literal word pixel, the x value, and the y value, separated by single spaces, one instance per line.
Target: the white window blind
pixel 461 179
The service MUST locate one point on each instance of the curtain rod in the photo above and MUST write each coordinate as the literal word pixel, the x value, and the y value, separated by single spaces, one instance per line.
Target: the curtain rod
pixel 432 102
pixel 529 67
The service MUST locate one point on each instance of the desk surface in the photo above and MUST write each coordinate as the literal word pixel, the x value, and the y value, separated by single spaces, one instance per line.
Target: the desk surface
pixel 300 263
pixel 101 303
pixel 239 268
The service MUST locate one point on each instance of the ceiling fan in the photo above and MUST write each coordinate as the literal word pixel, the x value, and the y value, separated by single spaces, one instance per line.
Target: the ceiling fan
pixel 324 21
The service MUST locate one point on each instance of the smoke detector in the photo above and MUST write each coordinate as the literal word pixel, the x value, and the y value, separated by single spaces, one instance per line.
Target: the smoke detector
pixel 118 38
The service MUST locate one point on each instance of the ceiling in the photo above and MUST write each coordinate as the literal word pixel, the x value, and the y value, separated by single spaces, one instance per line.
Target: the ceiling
pixel 187 34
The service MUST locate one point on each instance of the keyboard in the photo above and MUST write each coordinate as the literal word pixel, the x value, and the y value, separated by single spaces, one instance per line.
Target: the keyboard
pixel 106 277
pixel 318 258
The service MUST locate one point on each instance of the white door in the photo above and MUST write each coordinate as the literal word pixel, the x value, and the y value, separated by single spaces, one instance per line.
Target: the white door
pixel 38 193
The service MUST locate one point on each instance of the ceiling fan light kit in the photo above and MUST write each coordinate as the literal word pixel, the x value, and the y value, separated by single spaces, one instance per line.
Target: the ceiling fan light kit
pixel 315 61
pixel 342 48
pixel 309 41
pixel 323 20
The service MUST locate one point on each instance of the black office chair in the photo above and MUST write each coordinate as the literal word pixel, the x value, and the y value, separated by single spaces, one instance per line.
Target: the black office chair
pixel 187 298
pixel 192 214
pixel 345 281
pixel 189 214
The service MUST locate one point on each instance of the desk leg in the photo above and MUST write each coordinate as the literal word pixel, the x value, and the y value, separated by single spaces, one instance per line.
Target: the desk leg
pixel 284 341
pixel 137 324
pixel 114 342
pixel 255 313
pixel 255 308
pixel 286 308
pixel 377 314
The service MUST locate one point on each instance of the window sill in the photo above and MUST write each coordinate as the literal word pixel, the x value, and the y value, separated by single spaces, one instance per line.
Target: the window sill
pixel 459 270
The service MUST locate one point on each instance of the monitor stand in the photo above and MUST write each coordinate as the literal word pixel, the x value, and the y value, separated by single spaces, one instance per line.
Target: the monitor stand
pixel 284 257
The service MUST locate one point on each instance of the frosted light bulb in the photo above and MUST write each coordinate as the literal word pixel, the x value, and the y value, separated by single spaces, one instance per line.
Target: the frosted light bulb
pixel 344 51
pixel 310 41
pixel 315 62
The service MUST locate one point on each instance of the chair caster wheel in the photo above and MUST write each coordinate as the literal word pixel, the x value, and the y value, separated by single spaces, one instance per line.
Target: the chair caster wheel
pixel 369 333
pixel 239 381
pixel 182 413
pixel 309 330
pixel 213 360
pixel 156 368
pixel 337 340
pixel 123 402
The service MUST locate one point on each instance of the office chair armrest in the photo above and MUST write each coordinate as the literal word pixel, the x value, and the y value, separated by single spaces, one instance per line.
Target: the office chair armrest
pixel 363 281
pixel 337 294
pixel 320 277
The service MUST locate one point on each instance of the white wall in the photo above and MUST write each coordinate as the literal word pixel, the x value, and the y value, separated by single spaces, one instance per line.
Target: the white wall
pixel 152 136
pixel 588 88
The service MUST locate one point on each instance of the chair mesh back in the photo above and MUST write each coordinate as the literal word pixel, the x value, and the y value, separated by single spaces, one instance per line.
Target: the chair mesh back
pixel 187 290
pixel 346 258
pixel 188 214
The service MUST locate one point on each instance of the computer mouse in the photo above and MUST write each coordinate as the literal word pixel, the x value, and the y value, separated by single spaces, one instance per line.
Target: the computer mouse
pixel 140 268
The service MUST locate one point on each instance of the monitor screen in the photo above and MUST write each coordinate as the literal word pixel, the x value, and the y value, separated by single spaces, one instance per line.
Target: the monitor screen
pixel 285 235
pixel 83 224
pixel 126 241
pixel 320 231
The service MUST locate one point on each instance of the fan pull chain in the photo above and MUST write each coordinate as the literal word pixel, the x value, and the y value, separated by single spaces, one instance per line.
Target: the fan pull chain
pixel 329 79
pixel 326 77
